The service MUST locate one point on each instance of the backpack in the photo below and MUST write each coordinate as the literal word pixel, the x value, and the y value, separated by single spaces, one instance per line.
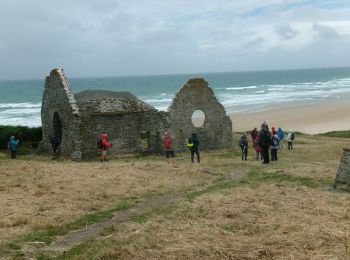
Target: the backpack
pixel 195 139
pixel 167 143
pixel 275 141
pixel 264 138
pixel 99 144
pixel 292 137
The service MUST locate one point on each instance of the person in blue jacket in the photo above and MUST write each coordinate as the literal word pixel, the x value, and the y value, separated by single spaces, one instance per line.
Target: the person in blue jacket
pixel 280 135
pixel 12 145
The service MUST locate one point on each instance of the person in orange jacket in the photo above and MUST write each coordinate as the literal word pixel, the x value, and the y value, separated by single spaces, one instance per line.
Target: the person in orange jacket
pixel 104 146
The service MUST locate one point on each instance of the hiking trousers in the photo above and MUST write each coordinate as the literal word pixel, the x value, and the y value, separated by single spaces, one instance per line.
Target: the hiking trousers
pixel 290 146
pixel 192 155
pixel 265 154
pixel 244 154
pixel 274 154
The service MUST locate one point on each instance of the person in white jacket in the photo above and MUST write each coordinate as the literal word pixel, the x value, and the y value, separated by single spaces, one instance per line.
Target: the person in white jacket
pixel 290 139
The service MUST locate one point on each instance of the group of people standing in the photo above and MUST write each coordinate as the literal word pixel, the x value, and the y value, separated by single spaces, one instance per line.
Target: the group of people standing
pixel 168 146
pixel 265 142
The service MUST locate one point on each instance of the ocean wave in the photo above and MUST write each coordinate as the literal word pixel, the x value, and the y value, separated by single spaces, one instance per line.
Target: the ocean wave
pixel 155 100
pixel 20 111
pixel 241 88
pixel 20 105
pixel 32 121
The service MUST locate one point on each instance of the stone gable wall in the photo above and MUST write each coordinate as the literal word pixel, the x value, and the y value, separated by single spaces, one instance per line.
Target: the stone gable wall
pixel 58 98
pixel 216 132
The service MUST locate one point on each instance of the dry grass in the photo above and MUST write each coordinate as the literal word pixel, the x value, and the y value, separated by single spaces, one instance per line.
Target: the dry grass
pixel 42 194
pixel 258 219
pixel 268 222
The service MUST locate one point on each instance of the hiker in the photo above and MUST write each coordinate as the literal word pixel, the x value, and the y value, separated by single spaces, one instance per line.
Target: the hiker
pixel 257 148
pixel 12 146
pixel 280 135
pixel 264 142
pixel 103 146
pixel 55 143
pixel 168 148
pixel 254 134
pixel 290 139
pixel 274 145
pixel 243 144
pixel 193 144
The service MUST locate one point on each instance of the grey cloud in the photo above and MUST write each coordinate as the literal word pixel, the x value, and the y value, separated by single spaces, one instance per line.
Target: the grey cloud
pixel 325 32
pixel 286 32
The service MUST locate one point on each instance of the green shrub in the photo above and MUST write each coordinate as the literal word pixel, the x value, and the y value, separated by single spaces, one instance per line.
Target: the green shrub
pixel 29 137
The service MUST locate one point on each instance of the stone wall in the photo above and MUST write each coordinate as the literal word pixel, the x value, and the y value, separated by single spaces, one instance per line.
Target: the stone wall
pixel 342 179
pixel 216 132
pixel 123 130
pixel 58 99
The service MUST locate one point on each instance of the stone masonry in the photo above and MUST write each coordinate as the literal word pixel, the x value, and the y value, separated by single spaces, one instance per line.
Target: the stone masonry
pixel 342 178
pixel 130 124
pixel 216 132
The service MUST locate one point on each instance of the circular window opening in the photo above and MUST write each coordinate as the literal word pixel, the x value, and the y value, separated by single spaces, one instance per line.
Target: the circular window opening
pixel 198 118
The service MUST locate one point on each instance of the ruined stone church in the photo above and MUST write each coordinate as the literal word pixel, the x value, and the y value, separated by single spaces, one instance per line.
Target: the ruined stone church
pixel 130 124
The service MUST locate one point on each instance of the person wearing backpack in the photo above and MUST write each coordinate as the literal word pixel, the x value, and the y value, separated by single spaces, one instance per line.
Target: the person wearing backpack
pixel 103 145
pixel 12 146
pixel 265 142
pixel 193 144
pixel 243 144
pixel 168 148
pixel 290 139
pixel 274 145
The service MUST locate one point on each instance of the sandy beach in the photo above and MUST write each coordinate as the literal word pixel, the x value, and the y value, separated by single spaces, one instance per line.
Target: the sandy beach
pixel 312 118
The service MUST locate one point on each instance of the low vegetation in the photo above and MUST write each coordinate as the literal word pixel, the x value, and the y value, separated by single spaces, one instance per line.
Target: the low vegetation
pixel 29 137
pixel 225 208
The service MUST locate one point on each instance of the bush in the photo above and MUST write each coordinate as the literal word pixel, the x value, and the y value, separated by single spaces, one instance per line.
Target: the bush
pixel 29 137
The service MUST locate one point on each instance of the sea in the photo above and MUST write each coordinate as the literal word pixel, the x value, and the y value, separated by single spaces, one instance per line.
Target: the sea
pixel 239 92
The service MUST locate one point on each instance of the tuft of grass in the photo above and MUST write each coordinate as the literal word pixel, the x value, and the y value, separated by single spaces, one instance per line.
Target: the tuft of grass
pixel 214 188
pixel 163 211
pixel 13 246
pixel 257 175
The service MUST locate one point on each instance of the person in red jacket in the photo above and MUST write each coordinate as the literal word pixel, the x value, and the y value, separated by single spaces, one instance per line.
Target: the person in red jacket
pixel 104 146
pixel 257 148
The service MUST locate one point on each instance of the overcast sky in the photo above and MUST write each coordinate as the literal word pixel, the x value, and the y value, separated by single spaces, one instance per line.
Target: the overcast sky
pixel 90 38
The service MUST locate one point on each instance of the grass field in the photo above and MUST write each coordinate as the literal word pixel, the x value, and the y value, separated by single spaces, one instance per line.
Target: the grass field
pixel 143 208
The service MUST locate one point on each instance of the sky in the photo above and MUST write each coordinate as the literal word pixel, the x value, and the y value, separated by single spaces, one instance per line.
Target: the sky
pixel 94 38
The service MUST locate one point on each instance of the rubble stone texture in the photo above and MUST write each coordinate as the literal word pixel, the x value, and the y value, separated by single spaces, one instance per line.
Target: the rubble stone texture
pixel 342 178
pixel 130 124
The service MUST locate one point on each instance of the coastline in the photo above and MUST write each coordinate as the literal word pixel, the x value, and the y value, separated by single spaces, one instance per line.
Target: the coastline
pixel 310 118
